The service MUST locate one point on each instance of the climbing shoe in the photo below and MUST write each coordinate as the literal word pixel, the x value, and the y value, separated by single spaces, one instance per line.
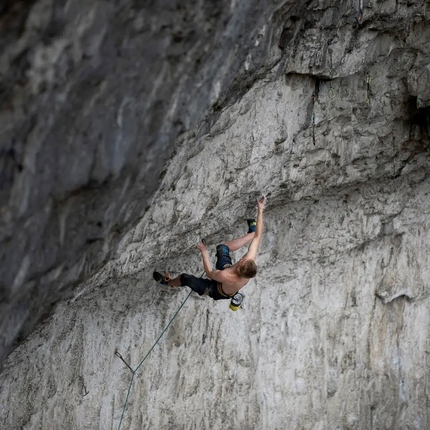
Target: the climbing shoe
pixel 252 225
pixel 161 279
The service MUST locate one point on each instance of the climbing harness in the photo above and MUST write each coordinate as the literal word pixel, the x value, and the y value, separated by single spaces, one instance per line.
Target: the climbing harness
pixel 144 358
pixel 368 81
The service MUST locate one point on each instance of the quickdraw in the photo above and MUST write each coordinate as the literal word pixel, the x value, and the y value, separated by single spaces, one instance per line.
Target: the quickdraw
pixel 368 81
pixel 122 359
pixel 332 73
pixel 360 12
pixel 314 100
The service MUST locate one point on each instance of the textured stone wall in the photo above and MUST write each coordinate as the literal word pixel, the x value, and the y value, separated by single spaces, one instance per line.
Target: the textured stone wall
pixel 335 330
pixel 92 98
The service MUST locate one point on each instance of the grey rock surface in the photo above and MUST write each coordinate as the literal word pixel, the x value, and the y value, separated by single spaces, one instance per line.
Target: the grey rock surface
pixel 334 126
pixel 92 98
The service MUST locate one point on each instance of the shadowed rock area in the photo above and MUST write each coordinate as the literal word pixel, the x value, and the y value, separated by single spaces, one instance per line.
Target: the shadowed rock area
pixel 322 105
pixel 92 98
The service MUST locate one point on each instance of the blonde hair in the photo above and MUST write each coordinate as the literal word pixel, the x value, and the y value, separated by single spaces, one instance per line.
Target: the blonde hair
pixel 248 268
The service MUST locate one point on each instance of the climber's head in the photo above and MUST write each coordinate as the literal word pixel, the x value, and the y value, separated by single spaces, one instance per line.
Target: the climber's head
pixel 247 268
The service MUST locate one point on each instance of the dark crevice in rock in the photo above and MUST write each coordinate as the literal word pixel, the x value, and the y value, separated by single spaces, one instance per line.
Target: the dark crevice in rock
pixel 13 15
pixel 419 119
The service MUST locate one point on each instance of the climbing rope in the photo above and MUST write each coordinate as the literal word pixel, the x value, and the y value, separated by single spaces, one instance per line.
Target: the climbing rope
pixel 144 358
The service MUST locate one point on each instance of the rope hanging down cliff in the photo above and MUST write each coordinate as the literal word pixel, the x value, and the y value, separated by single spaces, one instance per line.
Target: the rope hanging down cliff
pixel 144 358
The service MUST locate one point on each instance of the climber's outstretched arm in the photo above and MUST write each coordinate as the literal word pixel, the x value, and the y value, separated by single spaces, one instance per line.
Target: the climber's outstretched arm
pixel 216 275
pixel 255 244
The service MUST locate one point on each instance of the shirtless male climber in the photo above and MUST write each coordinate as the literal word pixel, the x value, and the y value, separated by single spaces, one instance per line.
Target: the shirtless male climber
pixel 227 279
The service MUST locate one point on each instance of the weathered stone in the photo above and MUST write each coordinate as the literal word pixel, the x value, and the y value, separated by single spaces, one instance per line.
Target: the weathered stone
pixel 92 98
pixel 329 119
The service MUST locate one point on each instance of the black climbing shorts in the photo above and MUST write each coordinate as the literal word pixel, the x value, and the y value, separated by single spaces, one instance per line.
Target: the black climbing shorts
pixel 223 257
pixel 201 286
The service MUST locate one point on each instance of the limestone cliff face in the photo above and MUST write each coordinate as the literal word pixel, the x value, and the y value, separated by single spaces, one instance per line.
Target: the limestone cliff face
pixel 329 116
pixel 92 98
